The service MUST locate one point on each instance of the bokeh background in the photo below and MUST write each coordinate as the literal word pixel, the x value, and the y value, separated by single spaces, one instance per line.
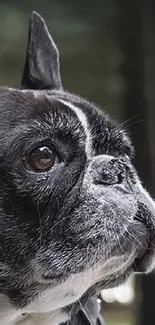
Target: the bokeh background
pixel 107 52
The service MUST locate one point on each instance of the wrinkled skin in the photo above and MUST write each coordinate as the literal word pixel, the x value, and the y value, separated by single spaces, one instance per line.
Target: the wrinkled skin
pixel 84 224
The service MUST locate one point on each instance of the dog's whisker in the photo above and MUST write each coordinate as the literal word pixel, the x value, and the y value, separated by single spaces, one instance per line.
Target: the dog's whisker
pixel 130 119
pixel 85 313
pixel 134 237
pixel 71 220
pixel 136 122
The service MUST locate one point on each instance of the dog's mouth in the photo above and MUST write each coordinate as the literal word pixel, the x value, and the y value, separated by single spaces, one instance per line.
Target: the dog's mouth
pixel 144 216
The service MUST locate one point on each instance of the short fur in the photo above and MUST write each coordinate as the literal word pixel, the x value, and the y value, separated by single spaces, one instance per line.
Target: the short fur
pixel 85 224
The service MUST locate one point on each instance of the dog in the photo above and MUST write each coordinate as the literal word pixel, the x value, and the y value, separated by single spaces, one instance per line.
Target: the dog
pixel 74 216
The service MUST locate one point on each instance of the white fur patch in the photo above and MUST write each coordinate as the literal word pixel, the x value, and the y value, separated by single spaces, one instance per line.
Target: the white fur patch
pixel 83 120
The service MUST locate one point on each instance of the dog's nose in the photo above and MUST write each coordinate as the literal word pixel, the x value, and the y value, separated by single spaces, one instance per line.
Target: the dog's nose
pixel 110 171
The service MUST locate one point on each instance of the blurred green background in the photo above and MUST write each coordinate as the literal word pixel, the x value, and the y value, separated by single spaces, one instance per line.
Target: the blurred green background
pixel 107 51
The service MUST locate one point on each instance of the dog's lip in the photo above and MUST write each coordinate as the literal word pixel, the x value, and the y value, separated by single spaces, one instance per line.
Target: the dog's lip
pixel 144 216
pixel 141 263
pixel 54 278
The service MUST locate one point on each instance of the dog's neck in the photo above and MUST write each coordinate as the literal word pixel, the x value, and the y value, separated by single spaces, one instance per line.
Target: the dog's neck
pixel 49 307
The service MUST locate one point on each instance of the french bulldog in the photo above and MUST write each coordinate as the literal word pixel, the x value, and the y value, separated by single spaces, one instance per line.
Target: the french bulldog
pixel 74 216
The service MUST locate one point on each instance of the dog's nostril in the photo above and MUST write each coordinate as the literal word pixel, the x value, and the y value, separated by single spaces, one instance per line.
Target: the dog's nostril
pixel 110 178
pixel 110 173
pixel 120 177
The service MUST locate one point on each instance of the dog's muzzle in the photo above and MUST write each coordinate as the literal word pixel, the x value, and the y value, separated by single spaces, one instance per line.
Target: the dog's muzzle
pixel 145 217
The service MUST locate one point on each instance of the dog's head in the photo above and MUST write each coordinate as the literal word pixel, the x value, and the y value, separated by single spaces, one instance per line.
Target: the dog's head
pixel 74 216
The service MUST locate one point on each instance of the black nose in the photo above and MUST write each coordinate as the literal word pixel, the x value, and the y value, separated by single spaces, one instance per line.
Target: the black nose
pixel 110 172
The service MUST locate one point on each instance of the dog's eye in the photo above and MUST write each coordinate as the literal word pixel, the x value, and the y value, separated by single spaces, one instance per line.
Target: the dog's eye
pixel 40 159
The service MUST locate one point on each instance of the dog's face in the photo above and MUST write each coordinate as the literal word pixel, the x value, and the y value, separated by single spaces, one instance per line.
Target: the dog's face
pixel 74 217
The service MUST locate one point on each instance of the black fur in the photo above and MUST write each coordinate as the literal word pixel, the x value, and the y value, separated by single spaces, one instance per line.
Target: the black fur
pixel 42 61
pixel 82 212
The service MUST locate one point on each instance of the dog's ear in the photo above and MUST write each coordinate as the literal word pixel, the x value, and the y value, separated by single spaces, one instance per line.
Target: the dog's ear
pixel 42 68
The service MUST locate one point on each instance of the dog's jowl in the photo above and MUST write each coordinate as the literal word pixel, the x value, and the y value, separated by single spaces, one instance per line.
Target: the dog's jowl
pixel 74 216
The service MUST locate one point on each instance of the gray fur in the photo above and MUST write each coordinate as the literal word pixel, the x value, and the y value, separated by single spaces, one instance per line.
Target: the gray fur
pixel 86 219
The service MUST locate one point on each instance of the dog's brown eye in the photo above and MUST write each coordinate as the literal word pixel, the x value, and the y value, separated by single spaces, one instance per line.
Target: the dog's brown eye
pixel 40 159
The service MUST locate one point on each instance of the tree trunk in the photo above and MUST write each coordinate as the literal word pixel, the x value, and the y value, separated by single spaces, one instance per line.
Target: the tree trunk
pixel 131 28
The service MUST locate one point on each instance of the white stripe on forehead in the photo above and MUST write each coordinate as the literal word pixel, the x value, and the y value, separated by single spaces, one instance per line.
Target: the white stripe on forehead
pixel 83 120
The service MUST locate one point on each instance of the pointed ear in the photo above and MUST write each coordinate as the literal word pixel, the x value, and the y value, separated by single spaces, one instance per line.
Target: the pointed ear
pixel 42 68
